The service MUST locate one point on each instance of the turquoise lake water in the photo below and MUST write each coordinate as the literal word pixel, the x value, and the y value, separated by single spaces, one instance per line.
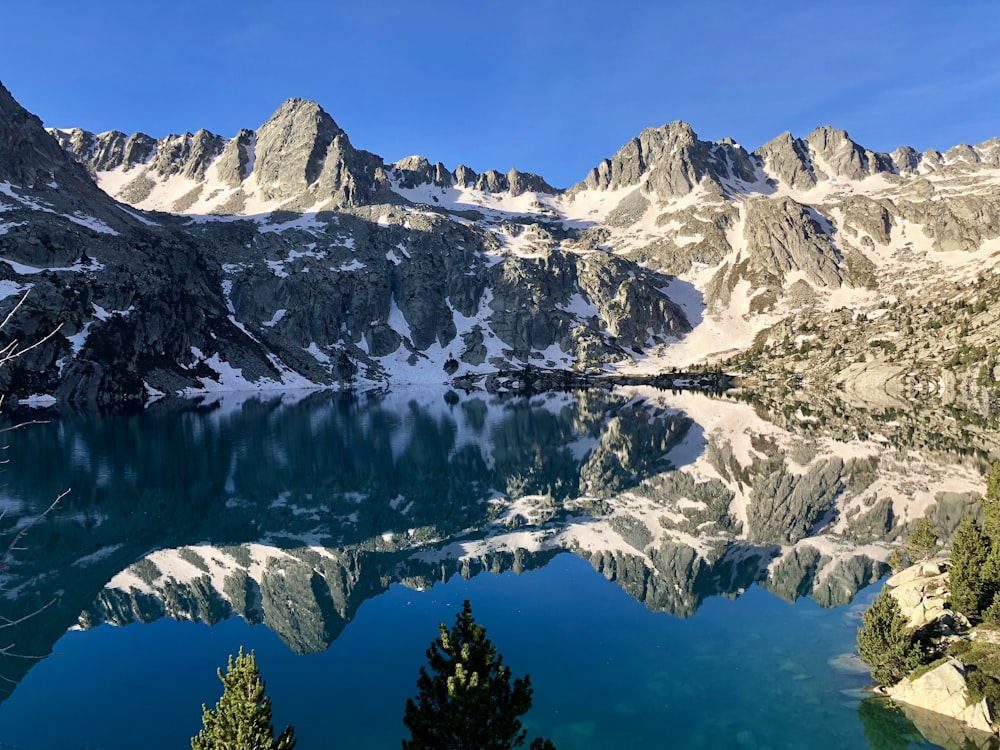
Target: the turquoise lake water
pixel 607 673
pixel 582 528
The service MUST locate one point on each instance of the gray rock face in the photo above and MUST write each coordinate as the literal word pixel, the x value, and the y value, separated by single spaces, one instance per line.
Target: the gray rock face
pixel 844 157
pixel 787 159
pixel 906 159
pixel 292 148
pixel 674 160
pixel 874 218
pixel 31 159
pixel 189 154
pixel 236 160
pixel 787 508
pixel 106 151
pixel 414 171
pixel 523 182
pixel 823 154
pixel 783 236
pixel 955 222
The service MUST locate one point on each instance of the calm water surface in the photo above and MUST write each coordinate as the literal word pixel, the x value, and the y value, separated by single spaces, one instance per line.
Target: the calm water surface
pixel 607 673
pixel 600 548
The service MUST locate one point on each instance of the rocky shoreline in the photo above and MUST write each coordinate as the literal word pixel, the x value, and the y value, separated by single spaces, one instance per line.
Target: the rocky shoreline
pixel 936 697
pixel 535 380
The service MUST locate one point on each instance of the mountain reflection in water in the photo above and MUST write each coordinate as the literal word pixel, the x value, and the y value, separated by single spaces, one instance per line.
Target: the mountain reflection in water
pixel 293 511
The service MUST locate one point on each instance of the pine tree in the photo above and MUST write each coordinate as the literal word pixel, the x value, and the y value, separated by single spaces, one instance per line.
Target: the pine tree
pixel 991 506
pixel 466 699
pixel 922 543
pixel 884 643
pixel 971 591
pixel 241 719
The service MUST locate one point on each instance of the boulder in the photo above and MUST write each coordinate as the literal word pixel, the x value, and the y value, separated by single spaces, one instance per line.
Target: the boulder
pixel 943 691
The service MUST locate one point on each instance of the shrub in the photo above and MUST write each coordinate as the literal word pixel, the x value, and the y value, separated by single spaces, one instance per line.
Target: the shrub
pixel 981 685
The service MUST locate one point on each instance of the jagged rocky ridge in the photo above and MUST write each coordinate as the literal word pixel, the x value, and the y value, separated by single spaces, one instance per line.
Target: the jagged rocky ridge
pixel 287 256
pixel 328 500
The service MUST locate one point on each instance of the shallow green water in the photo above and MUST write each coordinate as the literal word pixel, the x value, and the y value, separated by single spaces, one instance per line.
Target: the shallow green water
pixel 602 539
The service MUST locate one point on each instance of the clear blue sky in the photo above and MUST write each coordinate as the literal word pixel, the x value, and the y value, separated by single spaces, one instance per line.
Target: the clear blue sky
pixel 544 86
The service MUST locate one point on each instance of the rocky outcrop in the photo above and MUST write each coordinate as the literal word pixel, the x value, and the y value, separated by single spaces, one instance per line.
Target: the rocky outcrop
pixel 783 236
pixel 943 690
pixel 787 159
pixel 842 157
pixel 922 594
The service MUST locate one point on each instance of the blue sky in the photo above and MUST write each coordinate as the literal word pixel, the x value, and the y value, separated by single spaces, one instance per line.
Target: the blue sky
pixel 544 86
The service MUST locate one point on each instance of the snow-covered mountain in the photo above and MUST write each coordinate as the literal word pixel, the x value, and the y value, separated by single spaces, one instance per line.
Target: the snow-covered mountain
pixel 319 263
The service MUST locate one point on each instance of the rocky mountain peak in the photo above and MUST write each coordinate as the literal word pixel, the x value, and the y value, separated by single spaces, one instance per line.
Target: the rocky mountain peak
pixel 236 160
pixel 524 182
pixel 29 157
pixel 906 159
pixel 292 147
pixel 413 163
pixel 786 158
pixel 188 154
pixel 670 161
pixel 106 151
pixel 298 107
pixel 844 157
pixel 414 171
pixel 824 154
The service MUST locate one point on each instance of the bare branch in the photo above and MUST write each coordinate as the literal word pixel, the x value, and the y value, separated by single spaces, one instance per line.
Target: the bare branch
pixel 12 547
pixel 12 313
pixel 19 425
pixel 14 623
pixel 10 351
pixel 6 651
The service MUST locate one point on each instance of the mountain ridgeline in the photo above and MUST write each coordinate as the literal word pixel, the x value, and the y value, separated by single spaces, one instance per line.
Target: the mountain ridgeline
pixel 287 257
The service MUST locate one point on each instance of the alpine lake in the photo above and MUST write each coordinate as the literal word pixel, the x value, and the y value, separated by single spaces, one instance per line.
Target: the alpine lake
pixel 673 569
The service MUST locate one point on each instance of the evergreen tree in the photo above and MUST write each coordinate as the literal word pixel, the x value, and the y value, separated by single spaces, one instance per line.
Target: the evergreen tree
pixel 991 506
pixel 884 642
pixel 971 590
pixel 241 719
pixel 922 543
pixel 993 481
pixel 466 699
